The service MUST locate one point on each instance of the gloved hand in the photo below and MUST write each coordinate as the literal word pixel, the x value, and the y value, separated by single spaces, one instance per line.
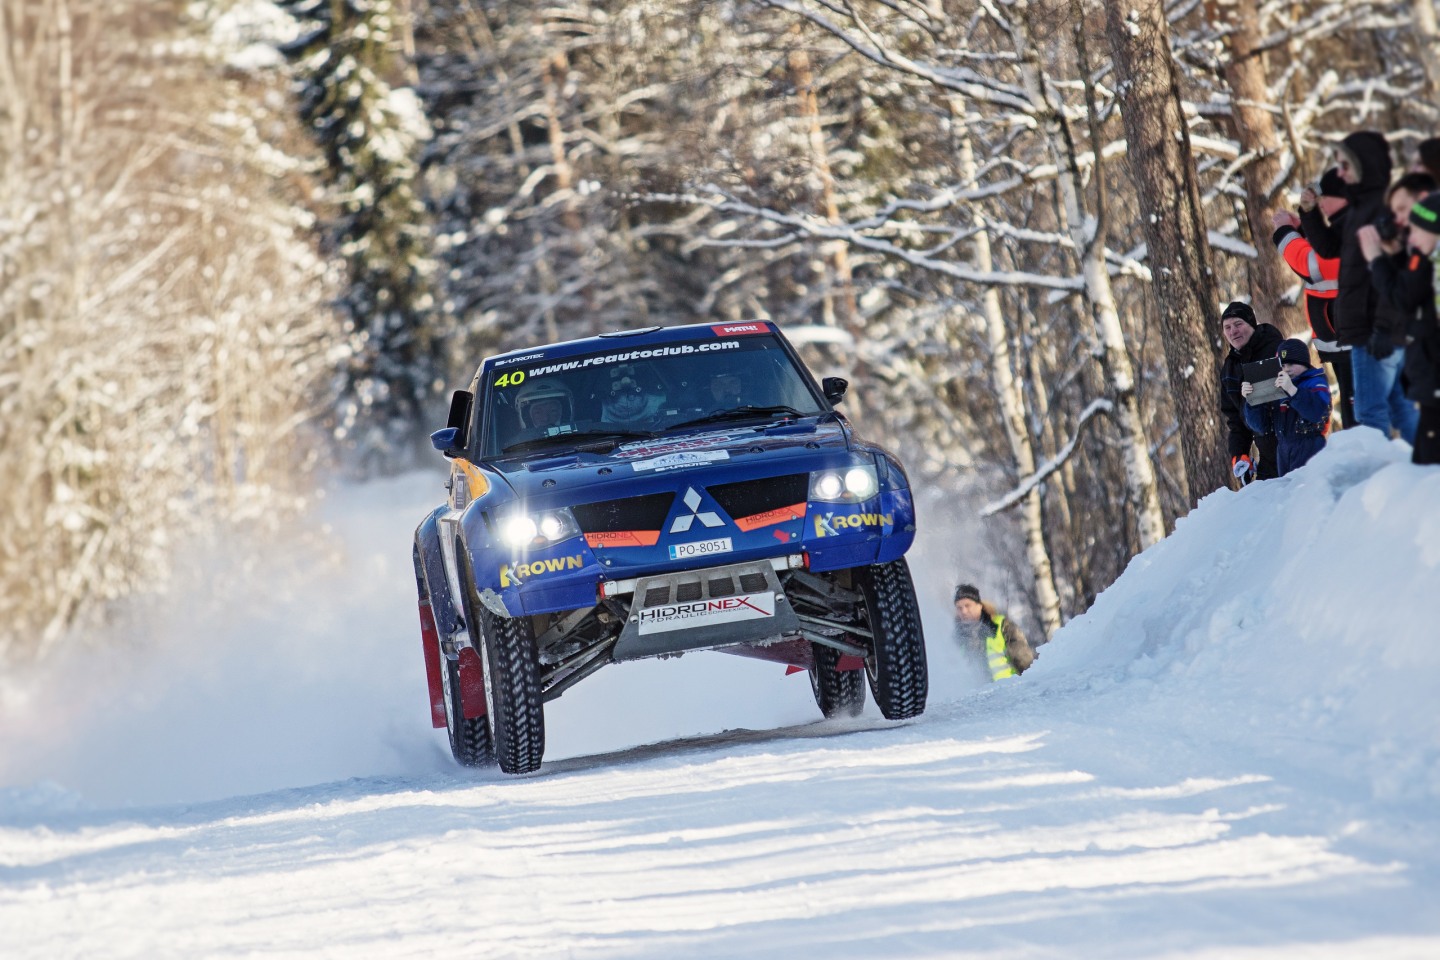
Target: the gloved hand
pixel 1241 467
pixel 1380 345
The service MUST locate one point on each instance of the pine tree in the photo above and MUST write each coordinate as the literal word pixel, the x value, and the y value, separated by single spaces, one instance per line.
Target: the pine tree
pixel 369 133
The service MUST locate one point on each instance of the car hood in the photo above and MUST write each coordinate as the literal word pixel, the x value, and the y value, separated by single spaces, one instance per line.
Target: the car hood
pixel 568 476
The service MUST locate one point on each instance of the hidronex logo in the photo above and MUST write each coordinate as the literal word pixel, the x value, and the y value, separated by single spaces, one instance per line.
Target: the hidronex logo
pixel 679 616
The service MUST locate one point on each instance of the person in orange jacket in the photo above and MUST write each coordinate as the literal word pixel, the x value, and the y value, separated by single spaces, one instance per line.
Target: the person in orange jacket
pixel 1321 277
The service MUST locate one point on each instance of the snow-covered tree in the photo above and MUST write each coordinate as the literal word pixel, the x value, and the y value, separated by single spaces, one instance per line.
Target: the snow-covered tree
pixel 369 131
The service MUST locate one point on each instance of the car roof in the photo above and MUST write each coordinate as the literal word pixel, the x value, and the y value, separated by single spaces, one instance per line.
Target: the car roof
pixel 627 339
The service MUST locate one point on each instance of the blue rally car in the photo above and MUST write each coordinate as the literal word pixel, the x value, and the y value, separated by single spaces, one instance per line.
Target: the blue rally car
pixel 645 494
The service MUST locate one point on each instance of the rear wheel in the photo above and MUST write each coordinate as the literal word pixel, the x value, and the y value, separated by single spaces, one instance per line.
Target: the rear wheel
pixel 469 738
pixel 896 668
pixel 838 693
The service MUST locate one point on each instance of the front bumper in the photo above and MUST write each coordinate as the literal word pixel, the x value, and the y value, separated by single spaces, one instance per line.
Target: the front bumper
pixel 707 608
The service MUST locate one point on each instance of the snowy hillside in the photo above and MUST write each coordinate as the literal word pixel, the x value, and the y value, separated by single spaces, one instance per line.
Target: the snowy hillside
pixel 1234 754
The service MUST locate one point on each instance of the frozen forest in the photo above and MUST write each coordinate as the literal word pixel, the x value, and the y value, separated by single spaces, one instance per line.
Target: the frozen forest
pixel 248 248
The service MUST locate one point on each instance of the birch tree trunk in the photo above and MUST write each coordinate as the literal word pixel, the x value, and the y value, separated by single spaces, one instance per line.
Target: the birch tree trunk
pixel 1012 405
pixel 1163 169
pixel 1255 129
pixel 1141 489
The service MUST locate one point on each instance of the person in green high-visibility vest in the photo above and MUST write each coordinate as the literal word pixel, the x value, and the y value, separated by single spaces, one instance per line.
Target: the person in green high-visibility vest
pixel 992 639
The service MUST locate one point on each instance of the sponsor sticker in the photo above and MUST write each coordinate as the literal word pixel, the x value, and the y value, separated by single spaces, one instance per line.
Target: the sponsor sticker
pixel 514 574
pixel 674 461
pixel 646 448
pixel 700 548
pixel 506 361
pixel 738 329
pixel 623 538
pixel 833 525
pixel 702 613
pixel 650 353
pixel 779 515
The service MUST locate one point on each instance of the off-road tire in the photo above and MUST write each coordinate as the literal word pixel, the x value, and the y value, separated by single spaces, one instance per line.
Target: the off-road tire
pixel 838 693
pixel 896 668
pixel 469 738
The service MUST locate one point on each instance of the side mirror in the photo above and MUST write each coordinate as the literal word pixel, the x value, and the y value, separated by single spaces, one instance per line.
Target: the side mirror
pixel 452 439
pixel 446 440
pixel 834 388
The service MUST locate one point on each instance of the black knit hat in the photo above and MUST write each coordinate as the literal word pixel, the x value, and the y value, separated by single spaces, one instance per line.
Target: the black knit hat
pixel 1425 215
pixel 1331 185
pixel 1239 309
pixel 967 591
pixel 1295 351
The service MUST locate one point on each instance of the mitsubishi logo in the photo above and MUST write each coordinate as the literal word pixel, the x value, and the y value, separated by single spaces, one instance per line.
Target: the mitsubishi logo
pixel 684 520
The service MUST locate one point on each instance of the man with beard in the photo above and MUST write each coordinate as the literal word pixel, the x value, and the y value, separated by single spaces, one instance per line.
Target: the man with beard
pixel 1248 343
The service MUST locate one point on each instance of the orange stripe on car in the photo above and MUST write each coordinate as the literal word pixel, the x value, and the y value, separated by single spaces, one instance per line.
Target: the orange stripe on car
pixel 623 538
pixel 780 515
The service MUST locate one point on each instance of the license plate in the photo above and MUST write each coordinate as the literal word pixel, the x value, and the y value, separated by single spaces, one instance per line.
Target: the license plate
pixel 700 548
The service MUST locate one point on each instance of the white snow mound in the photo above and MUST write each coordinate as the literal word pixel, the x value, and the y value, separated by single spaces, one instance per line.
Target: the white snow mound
pixel 1297 615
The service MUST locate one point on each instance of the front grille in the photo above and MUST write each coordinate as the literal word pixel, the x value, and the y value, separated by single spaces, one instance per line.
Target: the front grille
pixel 631 513
pixel 749 497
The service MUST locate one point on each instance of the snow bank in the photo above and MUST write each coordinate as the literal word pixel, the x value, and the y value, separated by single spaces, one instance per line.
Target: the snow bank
pixel 1297 617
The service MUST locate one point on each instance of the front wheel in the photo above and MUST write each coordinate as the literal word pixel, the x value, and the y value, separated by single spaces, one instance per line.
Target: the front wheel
pixel 838 693
pixel 896 668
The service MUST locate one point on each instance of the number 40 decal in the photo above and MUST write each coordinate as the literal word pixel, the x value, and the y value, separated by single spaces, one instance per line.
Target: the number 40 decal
pixel 510 379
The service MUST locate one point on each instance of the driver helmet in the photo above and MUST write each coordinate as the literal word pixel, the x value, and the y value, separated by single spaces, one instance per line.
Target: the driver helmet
pixel 543 405
pixel 625 397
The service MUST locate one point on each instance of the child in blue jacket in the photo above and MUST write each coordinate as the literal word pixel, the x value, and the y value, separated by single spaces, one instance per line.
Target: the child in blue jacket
pixel 1301 422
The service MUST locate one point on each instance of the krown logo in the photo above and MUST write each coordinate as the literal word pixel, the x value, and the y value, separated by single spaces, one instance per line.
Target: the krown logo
pixel 831 525
pixel 513 574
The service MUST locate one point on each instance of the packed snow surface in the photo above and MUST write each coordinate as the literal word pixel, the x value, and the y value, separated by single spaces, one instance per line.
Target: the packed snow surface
pixel 1234 754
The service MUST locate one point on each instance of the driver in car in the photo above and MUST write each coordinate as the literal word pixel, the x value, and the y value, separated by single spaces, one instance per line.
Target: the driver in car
pixel 724 391
pixel 625 396
pixel 544 407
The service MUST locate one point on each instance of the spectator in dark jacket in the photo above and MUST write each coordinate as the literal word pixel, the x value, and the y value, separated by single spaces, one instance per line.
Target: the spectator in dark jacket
pixel 1301 422
pixel 1321 278
pixel 1372 328
pixel 1248 343
pixel 1411 286
pixel 992 641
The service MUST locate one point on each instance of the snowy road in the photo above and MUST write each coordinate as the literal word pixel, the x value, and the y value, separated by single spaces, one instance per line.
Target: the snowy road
pixel 1200 767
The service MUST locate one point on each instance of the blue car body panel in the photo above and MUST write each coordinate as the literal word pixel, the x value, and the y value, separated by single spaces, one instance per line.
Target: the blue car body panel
pixel 713 494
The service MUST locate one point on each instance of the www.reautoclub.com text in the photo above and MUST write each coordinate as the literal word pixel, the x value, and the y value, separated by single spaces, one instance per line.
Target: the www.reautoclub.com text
pixel 604 358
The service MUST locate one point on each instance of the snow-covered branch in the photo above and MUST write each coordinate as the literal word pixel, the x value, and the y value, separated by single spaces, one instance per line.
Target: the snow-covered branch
pixel 1043 471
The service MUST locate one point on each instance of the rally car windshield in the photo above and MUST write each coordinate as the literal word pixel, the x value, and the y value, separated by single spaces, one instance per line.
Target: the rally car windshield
pixel 644 391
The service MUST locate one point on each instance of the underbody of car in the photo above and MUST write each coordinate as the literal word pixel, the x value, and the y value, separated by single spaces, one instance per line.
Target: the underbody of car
pixel 648 494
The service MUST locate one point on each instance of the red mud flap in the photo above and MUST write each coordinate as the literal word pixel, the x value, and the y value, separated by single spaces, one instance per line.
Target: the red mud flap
pixel 429 636
pixel 472 684
pixel 847 662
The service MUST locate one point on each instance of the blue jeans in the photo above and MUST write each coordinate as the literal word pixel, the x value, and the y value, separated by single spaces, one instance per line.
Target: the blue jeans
pixel 1379 400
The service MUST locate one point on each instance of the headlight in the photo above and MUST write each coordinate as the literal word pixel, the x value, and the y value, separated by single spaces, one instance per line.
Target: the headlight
pixel 845 485
pixel 527 531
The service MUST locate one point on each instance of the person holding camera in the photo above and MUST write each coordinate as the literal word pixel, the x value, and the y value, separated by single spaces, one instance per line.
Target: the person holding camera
pixel 1374 329
pixel 1301 420
pixel 1411 286
pixel 1321 278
